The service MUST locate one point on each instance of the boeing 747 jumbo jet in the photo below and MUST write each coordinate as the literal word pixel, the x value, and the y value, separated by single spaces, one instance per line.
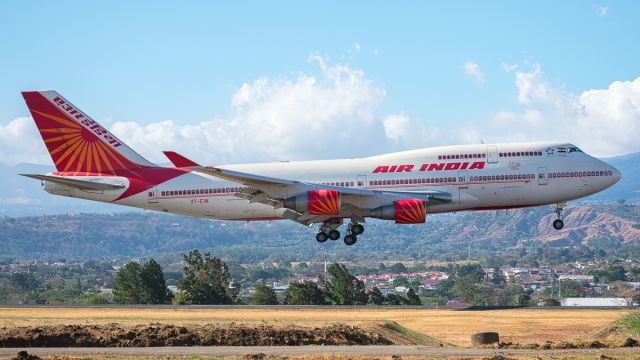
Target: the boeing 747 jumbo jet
pixel 94 164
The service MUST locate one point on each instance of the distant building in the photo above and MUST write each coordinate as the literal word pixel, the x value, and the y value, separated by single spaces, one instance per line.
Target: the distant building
pixel 280 287
pixel 456 304
pixel 586 278
pixel 634 284
pixel 429 284
pixel 597 302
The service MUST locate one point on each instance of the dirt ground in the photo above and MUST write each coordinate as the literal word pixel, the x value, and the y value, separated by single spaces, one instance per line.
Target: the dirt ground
pixel 116 335
pixel 309 353
pixel 454 327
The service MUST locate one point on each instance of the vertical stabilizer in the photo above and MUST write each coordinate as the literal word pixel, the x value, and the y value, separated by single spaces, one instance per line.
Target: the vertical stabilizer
pixel 76 142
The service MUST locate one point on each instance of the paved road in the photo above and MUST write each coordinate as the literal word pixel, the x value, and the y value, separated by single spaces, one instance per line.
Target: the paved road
pixel 370 350
pixel 360 307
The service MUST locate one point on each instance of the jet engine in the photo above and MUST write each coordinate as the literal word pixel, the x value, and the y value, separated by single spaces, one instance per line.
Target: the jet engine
pixel 316 202
pixel 406 211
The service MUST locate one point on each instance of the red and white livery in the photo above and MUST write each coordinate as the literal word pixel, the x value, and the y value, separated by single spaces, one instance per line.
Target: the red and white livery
pixel 94 164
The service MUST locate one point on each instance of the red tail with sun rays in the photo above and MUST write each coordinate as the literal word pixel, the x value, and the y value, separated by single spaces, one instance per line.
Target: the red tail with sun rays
pixel 77 144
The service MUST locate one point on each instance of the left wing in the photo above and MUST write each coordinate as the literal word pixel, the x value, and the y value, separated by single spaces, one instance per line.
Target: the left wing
pixel 356 202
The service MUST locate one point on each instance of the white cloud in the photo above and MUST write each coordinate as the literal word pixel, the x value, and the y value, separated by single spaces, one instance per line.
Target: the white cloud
pixel 21 200
pixel 472 69
pixel 601 10
pixel 20 142
pixel 508 67
pixel 332 113
pixel 605 122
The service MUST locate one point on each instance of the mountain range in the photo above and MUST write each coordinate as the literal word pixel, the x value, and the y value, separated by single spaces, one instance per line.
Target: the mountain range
pixel 151 234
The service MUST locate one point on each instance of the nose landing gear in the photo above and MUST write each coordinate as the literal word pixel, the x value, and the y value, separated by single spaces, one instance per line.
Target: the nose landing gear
pixel 558 224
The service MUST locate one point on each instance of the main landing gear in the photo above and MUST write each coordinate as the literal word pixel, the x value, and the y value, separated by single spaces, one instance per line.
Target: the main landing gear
pixel 328 231
pixel 323 235
pixel 558 224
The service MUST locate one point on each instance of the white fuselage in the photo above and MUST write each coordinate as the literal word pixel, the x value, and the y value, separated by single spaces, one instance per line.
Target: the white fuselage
pixel 478 177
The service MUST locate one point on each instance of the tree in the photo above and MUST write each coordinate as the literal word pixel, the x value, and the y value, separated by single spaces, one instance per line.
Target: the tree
pixel 156 291
pixel 473 270
pixel 25 281
pixel 497 277
pixel 524 298
pixel 616 273
pixel 394 299
pixel 375 296
pixel 398 268
pixel 570 288
pixel 342 287
pixel 466 289
pixel 206 280
pixel 400 281
pixel 551 302
pixel 135 284
pixel 304 293
pixel 264 295
pixel 128 287
pixel 412 298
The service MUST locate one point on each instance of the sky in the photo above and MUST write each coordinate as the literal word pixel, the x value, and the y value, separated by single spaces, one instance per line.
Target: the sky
pixel 225 82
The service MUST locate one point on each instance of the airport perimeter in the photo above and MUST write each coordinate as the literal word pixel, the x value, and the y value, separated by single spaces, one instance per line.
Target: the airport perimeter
pixel 430 333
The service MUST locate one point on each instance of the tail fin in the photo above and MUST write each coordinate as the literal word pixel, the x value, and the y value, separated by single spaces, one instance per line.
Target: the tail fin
pixel 76 142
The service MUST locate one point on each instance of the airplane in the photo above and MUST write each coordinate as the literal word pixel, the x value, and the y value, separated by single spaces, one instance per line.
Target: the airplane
pixel 403 187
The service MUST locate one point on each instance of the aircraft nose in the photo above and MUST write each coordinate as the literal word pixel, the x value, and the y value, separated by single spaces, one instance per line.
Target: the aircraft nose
pixel 615 175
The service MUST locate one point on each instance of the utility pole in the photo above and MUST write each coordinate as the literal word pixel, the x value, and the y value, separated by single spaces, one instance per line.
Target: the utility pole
pixel 325 257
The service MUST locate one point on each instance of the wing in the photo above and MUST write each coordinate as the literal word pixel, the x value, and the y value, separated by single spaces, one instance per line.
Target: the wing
pixel 356 202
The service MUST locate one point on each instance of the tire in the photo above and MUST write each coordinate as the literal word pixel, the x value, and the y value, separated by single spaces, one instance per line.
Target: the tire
pixel 334 235
pixel 558 224
pixel 484 338
pixel 357 229
pixel 350 240
pixel 321 237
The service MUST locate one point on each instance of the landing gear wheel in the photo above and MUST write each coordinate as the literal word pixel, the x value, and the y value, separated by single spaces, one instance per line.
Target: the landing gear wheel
pixel 357 229
pixel 350 239
pixel 558 224
pixel 321 237
pixel 334 235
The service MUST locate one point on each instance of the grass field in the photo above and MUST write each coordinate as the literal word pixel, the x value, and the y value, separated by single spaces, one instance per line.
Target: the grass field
pixel 454 327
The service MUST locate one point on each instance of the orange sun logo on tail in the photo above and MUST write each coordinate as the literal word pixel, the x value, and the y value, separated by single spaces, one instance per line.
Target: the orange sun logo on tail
pixel 76 143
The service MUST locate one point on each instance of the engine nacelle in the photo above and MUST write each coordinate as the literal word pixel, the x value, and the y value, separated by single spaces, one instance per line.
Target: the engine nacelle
pixel 406 211
pixel 316 202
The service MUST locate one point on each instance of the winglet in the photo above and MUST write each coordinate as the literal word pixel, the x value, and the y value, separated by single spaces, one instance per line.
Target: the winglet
pixel 179 160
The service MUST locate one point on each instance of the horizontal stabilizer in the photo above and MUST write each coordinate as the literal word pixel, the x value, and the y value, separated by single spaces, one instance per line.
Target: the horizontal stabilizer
pixel 76 183
pixel 179 160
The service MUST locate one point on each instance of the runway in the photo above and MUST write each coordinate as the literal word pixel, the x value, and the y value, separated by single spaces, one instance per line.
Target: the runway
pixel 310 307
pixel 371 350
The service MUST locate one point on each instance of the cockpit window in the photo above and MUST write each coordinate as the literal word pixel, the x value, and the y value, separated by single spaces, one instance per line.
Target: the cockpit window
pixel 574 149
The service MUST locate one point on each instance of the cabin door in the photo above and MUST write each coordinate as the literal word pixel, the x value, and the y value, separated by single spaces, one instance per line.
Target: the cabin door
pixel 492 153
pixel 361 181
pixel 152 195
pixel 542 176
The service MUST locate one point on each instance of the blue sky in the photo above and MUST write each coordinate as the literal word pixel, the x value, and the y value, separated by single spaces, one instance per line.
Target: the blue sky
pixel 149 62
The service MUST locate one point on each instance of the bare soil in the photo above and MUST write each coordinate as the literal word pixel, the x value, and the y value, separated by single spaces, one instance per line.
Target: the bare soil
pixel 116 335
pixel 454 327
